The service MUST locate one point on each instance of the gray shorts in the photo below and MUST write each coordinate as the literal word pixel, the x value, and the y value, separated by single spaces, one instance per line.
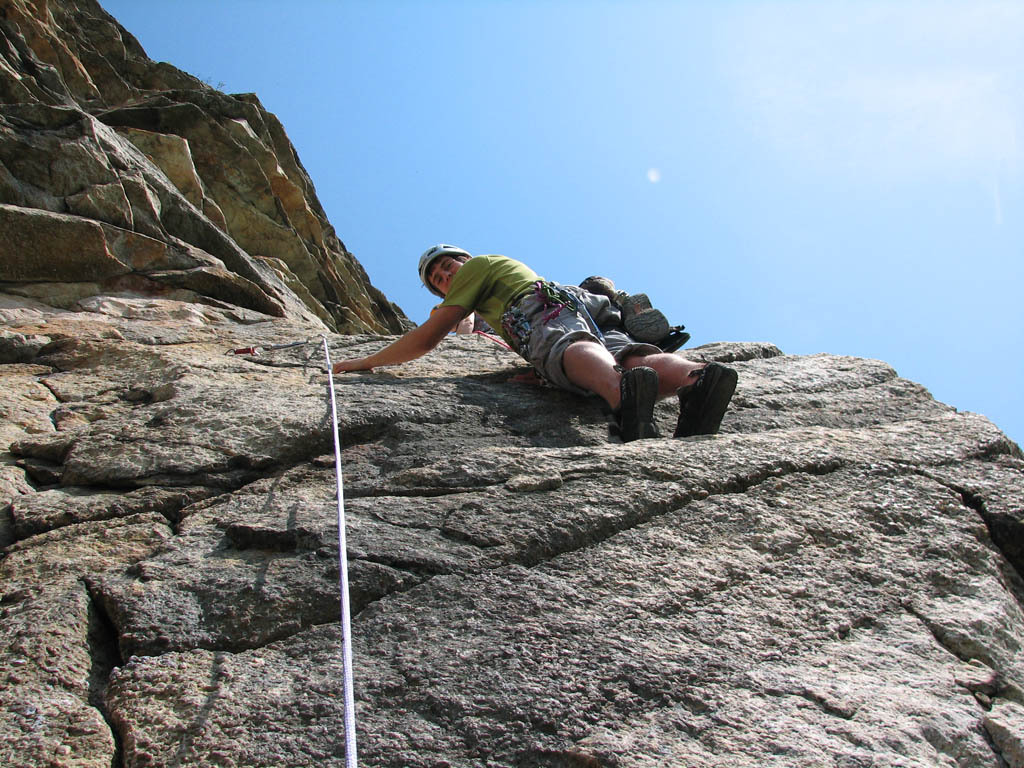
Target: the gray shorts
pixel 543 332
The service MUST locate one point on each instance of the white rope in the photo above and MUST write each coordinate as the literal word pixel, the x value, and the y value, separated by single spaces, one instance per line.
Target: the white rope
pixel 346 629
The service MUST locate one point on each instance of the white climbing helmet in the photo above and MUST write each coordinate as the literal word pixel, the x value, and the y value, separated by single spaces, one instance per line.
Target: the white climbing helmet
pixel 431 255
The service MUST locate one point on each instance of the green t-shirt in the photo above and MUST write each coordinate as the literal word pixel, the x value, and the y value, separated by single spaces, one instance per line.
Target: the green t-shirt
pixel 487 284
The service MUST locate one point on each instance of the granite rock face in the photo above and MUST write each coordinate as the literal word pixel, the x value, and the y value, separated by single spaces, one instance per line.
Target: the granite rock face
pixel 833 580
pixel 166 186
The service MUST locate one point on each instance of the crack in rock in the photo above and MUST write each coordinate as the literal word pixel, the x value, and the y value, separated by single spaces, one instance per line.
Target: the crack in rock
pixel 105 653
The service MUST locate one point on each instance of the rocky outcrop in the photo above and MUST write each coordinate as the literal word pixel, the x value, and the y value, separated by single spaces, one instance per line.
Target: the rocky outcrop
pixel 167 187
pixel 835 579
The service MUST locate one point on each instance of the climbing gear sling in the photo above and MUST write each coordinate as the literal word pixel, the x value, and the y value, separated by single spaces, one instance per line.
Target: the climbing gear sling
pixel 255 351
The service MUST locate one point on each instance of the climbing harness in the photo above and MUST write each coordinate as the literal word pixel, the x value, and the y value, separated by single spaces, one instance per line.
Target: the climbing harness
pixel 550 295
pixel 346 629
pixel 553 299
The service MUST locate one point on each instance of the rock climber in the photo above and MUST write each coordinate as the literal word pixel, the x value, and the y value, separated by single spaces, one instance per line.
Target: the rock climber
pixel 573 339
pixel 639 319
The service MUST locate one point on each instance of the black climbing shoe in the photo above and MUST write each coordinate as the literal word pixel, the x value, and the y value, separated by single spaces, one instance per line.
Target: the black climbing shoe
pixel 639 318
pixel 635 417
pixel 642 321
pixel 703 404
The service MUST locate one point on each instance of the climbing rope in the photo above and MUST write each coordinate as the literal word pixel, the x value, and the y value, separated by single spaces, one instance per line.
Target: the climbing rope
pixel 346 623
pixel 346 629
pixel 495 339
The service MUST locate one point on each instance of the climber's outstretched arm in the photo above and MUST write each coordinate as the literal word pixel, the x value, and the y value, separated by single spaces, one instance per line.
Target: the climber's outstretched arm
pixel 413 344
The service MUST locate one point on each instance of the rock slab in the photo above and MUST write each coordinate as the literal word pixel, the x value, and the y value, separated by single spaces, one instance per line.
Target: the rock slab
pixel 833 580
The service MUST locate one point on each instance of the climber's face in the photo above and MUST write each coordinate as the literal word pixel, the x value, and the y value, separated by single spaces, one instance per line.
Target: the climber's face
pixel 441 273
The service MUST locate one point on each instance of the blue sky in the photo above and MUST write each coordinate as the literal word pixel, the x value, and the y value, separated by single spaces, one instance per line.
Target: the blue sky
pixel 842 177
